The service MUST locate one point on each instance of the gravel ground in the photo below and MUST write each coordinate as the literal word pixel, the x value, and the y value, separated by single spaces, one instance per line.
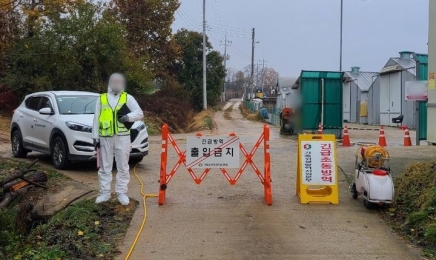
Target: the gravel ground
pixel 215 220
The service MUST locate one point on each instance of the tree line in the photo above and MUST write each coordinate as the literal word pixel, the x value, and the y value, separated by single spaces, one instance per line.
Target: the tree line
pixel 264 78
pixel 77 44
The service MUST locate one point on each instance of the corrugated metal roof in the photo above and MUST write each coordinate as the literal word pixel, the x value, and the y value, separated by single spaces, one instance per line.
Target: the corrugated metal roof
pixel 400 64
pixel 322 74
pixel 409 64
pixel 422 58
pixel 363 79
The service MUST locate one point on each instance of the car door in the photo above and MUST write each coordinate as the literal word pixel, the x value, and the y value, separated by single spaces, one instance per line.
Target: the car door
pixel 27 116
pixel 43 124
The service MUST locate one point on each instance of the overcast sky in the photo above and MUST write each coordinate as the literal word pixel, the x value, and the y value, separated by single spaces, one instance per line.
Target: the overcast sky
pixel 300 35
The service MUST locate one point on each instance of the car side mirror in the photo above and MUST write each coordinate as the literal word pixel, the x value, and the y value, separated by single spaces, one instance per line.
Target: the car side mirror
pixel 46 111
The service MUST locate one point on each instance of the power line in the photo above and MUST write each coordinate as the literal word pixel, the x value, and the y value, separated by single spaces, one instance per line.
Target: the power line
pixel 237 49
pixel 231 28
pixel 218 24
pixel 232 31
pixel 187 21
pixel 188 16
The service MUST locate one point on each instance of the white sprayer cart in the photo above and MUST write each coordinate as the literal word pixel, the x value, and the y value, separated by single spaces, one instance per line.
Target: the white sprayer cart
pixel 372 177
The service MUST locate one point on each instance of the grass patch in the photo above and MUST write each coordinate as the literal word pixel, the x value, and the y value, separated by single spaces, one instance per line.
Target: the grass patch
pixel 170 106
pixel 248 114
pixel 414 212
pixel 153 123
pixel 227 112
pixel 202 121
pixel 84 230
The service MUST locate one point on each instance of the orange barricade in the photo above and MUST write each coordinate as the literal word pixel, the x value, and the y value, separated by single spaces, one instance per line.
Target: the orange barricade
pixel 265 177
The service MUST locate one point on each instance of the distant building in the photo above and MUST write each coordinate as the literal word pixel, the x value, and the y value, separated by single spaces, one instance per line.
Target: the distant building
pixel 284 96
pixel 356 86
pixel 387 100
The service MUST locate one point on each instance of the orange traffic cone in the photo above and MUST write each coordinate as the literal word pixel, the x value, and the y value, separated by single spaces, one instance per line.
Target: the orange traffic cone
pixel 407 140
pixel 346 141
pixel 319 129
pixel 382 138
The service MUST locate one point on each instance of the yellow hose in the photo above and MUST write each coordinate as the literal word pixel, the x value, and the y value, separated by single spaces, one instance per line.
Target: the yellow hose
pixel 374 154
pixel 144 198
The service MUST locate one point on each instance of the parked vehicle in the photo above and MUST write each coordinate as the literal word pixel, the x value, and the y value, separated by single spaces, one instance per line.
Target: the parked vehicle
pixel 58 123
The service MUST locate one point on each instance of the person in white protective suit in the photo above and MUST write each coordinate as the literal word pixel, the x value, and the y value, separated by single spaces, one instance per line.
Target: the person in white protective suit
pixel 113 138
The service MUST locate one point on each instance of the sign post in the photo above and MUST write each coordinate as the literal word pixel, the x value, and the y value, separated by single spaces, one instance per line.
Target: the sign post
pixel 431 80
pixel 212 152
pixel 215 152
pixel 416 90
pixel 317 175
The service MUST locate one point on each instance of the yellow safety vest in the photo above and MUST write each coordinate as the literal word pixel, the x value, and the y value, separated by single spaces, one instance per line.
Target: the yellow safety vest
pixel 109 124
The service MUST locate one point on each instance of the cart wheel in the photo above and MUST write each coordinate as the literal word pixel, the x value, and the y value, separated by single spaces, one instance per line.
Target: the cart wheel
pixel 368 204
pixel 354 192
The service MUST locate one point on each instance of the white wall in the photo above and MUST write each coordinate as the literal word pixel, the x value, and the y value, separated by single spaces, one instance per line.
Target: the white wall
pixel 431 104
pixel 408 108
pixel 346 102
pixel 390 97
pixel 374 103
pixel 354 102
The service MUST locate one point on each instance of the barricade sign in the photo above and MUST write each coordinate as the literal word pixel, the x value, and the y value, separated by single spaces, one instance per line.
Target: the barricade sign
pixel 212 152
pixel 208 152
pixel 317 175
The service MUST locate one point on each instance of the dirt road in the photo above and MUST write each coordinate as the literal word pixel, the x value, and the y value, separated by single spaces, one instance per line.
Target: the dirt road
pixel 217 221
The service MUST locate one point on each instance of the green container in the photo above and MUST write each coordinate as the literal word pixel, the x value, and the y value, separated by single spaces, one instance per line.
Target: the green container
pixel 422 74
pixel 313 100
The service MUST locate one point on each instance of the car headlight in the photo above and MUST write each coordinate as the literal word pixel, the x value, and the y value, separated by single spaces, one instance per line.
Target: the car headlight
pixel 141 127
pixel 79 127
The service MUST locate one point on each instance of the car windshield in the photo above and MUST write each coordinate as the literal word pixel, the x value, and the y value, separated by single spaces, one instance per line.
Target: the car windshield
pixel 76 104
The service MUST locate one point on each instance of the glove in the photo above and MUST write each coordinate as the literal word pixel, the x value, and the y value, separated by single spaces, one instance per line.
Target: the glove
pixel 123 119
pixel 96 144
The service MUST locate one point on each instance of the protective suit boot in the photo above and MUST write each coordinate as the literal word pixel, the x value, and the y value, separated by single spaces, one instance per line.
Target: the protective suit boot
pixel 103 198
pixel 123 199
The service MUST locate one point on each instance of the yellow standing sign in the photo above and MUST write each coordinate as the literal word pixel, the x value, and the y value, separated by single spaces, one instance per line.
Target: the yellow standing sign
pixel 431 80
pixel 317 174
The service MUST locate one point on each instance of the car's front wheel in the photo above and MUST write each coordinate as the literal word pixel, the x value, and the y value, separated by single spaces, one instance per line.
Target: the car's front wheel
pixel 59 153
pixel 135 160
pixel 17 145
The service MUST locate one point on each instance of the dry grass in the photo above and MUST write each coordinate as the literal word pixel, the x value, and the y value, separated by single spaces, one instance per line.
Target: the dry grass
pixel 202 121
pixel 5 123
pixel 414 212
pixel 227 113
pixel 252 116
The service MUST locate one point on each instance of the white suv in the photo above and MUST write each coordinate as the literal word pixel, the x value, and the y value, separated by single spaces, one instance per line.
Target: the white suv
pixel 59 123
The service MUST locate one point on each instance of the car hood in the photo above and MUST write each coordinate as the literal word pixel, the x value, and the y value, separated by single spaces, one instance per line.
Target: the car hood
pixel 85 119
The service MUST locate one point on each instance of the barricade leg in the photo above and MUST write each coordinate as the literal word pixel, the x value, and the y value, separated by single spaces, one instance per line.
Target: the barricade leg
pixel 163 165
pixel 267 166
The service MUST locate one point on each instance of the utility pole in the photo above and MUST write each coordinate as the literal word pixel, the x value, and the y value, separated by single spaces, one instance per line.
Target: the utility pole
pixel 226 43
pixel 340 41
pixel 204 57
pixel 252 61
pixel 263 73
pixel 257 75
